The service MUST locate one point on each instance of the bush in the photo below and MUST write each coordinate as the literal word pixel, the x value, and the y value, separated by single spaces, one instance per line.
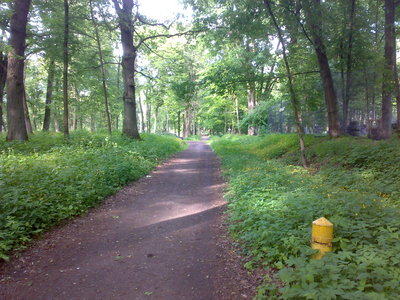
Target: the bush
pixel 46 180
pixel 273 203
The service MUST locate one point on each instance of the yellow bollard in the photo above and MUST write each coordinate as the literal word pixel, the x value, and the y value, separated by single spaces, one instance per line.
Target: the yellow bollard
pixel 322 236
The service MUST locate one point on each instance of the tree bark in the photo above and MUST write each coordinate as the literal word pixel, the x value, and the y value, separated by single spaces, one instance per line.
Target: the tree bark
pixel 49 95
pixel 103 73
pixel 237 113
pixel 129 127
pixel 3 76
pixel 148 112
pixel 28 123
pixel 293 97
pixel 346 99
pixel 141 114
pixel 251 103
pixel 315 17
pixel 188 123
pixel 65 72
pixel 155 124
pixel 179 123
pixel 388 84
pixel 15 72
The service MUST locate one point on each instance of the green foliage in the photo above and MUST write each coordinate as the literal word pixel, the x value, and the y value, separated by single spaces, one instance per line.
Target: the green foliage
pixel 272 205
pixel 47 180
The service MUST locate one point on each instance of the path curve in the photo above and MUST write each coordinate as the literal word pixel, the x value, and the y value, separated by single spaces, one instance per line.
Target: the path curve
pixel 155 239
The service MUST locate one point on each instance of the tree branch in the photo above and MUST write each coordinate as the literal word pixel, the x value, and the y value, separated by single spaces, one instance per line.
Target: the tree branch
pixel 168 35
pixel 144 21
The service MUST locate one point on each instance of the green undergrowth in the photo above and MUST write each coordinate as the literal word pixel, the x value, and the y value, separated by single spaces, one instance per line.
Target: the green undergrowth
pixel 46 180
pixel 193 138
pixel 353 182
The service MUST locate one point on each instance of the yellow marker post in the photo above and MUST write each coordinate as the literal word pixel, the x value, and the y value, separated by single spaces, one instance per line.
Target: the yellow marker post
pixel 322 236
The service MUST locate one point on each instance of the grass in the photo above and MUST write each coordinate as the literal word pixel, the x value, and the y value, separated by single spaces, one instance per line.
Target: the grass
pixel 47 180
pixel 355 183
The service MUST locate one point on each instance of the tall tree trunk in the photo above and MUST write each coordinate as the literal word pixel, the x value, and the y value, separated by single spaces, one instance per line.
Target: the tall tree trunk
pixel 49 95
pixel 28 123
pixel 188 123
pixel 397 99
pixel 141 114
pixel 251 103
pixel 237 113
pixel 148 112
pixel 3 76
pixel 179 123
pixel 128 67
pixel 56 122
pixel 293 97
pixel 15 72
pixel 346 99
pixel 314 18
pixel 155 119
pixel 75 117
pixel 103 73
pixel 388 84
pixel 65 72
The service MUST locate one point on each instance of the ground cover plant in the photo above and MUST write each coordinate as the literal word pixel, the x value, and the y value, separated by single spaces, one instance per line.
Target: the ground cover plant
pixel 355 183
pixel 46 180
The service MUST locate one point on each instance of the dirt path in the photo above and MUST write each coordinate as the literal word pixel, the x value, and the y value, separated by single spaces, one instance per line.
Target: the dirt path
pixel 155 239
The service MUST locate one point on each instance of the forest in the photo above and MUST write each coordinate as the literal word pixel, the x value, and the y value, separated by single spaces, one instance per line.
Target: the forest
pixel 300 99
pixel 237 67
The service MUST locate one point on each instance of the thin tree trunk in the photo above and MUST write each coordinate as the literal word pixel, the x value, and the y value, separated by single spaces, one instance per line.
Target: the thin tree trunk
pixel 188 123
pixel 141 113
pixel 28 123
pixel 65 72
pixel 56 122
pixel 295 102
pixel 49 95
pixel 155 119
pixel 179 123
pixel 237 113
pixel 128 67
pixel 397 86
pixel 148 111
pixel 315 17
pixel 349 66
pixel 103 73
pixel 3 76
pixel 251 103
pixel 281 117
pixel 75 117
pixel 15 72
pixel 388 84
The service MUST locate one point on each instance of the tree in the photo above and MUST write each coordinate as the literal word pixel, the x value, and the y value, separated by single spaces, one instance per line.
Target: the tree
pixel 65 71
pixel 3 76
pixel 294 100
pixel 314 18
pixel 128 67
pixel 101 60
pixel 49 95
pixel 389 70
pixel 15 72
